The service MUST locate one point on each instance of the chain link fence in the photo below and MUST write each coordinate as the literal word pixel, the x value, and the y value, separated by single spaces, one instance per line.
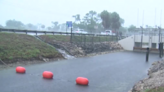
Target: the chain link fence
pixel 83 39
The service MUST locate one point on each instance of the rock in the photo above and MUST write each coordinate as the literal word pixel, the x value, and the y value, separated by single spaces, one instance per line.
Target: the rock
pixel 155 63
pixel 155 79
pixel 159 65
pixel 81 49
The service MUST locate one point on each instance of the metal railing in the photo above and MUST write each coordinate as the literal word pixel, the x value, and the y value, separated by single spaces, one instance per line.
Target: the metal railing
pixel 77 38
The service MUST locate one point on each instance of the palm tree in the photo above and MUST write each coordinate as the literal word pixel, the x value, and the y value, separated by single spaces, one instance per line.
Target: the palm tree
pixel 77 18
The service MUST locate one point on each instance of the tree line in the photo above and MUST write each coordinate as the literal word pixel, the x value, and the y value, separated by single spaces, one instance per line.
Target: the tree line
pixel 91 22
pixel 15 24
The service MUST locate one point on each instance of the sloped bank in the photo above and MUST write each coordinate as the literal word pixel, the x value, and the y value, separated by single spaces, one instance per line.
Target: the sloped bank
pixel 80 49
pixel 155 80
pixel 21 48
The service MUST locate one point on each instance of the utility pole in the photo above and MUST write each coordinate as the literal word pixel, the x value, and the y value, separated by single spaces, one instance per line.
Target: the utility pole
pixel 161 19
pixel 160 44
pixel 143 19
pixel 159 34
pixel 71 35
pixel 155 18
pixel 138 18
pixel 141 35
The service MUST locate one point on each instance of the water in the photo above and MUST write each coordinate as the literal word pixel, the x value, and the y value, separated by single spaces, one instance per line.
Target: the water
pixel 64 53
pixel 114 72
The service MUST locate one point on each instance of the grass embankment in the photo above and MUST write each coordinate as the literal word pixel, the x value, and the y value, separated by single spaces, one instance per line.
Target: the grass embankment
pixel 80 38
pixel 159 89
pixel 21 46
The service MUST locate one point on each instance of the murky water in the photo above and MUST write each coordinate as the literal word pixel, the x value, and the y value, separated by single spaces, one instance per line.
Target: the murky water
pixel 114 72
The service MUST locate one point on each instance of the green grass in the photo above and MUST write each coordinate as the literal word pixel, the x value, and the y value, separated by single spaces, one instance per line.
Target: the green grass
pixel 63 38
pixel 80 38
pixel 21 46
pixel 94 39
pixel 160 89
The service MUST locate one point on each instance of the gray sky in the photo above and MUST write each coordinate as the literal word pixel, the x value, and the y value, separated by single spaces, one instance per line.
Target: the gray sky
pixel 45 11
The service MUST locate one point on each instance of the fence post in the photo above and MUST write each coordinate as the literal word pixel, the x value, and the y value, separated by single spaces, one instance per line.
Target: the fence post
pixel 71 35
pixel 109 43
pixel 147 55
pixel 159 48
pixel 112 36
pixel 85 41
pixel 99 38
pixel 81 39
pixel 92 39
pixel 141 36
pixel 162 49
pixel 66 30
pixel 14 31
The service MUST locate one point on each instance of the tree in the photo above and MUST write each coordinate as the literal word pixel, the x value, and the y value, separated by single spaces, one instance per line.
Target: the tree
pixel 131 28
pixel 42 26
pixel 81 25
pixel 115 21
pixel 63 26
pixel 106 19
pixel 91 14
pixel 1 26
pixel 31 26
pixel 123 30
pixel 90 20
pixel 49 28
pixel 77 18
pixel 121 21
pixel 55 23
pixel 93 21
pixel 14 24
pixel 55 26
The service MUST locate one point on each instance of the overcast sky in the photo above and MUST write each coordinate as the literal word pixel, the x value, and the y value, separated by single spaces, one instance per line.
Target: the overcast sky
pixel 45 11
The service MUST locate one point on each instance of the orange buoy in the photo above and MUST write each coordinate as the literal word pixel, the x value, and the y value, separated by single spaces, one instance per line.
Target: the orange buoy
pixel 82 81
pixel 20 69
pixel 47 75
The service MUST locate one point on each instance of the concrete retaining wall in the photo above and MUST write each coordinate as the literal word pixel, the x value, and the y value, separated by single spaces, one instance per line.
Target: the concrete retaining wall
pixel 127 43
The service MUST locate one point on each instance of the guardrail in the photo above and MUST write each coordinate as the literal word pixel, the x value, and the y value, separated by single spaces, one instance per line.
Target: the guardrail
pixel 36 32
pixel 45 32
